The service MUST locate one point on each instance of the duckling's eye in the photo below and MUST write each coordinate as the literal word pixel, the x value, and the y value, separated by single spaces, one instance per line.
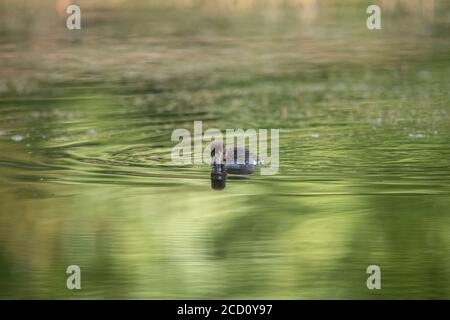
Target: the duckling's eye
pixel 213 152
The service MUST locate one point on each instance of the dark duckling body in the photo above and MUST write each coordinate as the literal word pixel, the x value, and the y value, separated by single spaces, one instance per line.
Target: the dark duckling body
pixel 234 160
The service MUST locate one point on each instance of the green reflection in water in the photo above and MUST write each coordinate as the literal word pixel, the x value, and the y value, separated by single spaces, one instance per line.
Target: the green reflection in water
pixel 86 178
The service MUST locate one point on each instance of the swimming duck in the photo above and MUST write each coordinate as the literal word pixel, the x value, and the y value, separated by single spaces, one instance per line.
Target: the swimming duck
pixel 233 160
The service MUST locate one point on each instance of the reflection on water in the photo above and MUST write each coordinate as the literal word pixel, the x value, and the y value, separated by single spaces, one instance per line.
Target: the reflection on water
pixel 86 177
pixel 219 177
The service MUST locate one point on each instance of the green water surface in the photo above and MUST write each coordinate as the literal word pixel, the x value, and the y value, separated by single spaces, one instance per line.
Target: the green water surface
pixel 86 178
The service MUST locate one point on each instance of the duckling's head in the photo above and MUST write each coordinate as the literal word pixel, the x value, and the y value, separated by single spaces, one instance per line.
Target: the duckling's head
pixel 217 152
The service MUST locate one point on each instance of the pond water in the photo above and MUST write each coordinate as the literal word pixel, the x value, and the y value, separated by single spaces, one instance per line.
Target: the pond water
pixel 86 178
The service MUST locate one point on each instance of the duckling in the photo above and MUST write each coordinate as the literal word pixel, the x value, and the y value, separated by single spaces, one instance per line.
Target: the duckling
pixel 234 160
